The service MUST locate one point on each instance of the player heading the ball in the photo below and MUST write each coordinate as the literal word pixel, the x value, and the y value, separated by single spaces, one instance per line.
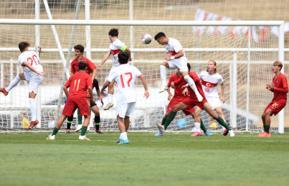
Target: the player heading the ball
pixel 175 58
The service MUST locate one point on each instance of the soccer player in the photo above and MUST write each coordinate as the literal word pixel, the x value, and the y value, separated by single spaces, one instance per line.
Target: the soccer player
pixel 115 47
pixel 79 96
pixel 190 101
pixel 175 58
pixel 178 96
pixel 91 70
pixel 125 76
pixel 279 87
pixel 33 74
pixel 210 81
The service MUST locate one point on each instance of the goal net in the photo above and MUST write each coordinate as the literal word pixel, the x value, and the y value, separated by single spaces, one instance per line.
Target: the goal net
pixel 244 63
pixel 244 52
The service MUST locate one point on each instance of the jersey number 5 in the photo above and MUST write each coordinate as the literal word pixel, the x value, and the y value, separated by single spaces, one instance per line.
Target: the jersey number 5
pixel 126 76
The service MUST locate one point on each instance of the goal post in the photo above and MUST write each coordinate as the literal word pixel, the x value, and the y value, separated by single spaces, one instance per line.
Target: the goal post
pixel 238 59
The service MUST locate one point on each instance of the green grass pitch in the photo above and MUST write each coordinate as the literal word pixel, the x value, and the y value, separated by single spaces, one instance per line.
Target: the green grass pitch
pixel 175 159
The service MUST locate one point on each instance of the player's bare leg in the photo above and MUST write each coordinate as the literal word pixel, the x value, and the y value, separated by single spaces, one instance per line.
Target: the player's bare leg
pixel 12 84
pixel 95 110
pixel 266 118
pixel 123 135
pixel 126 123
pixel 83 129
pixel 33 109
pixel 219 119
pixel 110 91
pixel 57 127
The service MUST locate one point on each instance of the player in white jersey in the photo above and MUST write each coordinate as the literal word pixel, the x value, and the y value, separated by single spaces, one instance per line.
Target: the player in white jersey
pixel 175 58
pixel 33 73
pixel 211 81
pixel 125 77
pixel 115 47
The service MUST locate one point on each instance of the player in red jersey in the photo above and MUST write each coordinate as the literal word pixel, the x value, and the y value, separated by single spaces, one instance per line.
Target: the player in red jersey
pixel 279 87
pixel 191 101
pixel 174 82
pixel 91 70
pixel 79 95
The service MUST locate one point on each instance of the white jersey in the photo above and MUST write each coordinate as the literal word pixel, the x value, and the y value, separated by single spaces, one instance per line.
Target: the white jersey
pixel 210 83
pixel 115 47
pixel 125 76
pixel 32 58
pixel 173 47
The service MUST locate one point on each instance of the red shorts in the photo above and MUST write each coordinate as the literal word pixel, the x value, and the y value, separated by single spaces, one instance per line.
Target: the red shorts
pixel 276 106
pixel 72 103
pixel 191 103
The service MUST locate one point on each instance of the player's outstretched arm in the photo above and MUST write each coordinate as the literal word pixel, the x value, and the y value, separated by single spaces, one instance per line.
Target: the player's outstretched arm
pixel 105 58
pixel 31 68
pixel 144 83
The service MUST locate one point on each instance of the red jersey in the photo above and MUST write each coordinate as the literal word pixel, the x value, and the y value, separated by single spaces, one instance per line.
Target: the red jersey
pixel 90 65
pixel 179 83
pixel 280 87
pixel 176 82
pixel 78 84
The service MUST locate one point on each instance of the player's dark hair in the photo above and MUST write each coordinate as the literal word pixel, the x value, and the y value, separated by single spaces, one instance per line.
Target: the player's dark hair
pixel 82 65
pixel 278 63
pixel 79 47
pixel 23 45
pixel 123 57
pixel 159 35
pixel 189 66
pixel 113 32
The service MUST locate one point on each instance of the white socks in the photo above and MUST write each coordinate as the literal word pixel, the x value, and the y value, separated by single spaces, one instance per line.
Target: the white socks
pixel 13 83
pixel 163 73
pixel 193 86
pixel 33 108
pixel 123 136
pixel 109 98
pixel 197 127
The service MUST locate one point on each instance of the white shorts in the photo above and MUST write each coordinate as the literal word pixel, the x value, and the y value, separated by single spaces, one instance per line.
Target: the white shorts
pixel 112 67
pixel 179 63
pixel 34 82
pixel 125 109
pixel 214 102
